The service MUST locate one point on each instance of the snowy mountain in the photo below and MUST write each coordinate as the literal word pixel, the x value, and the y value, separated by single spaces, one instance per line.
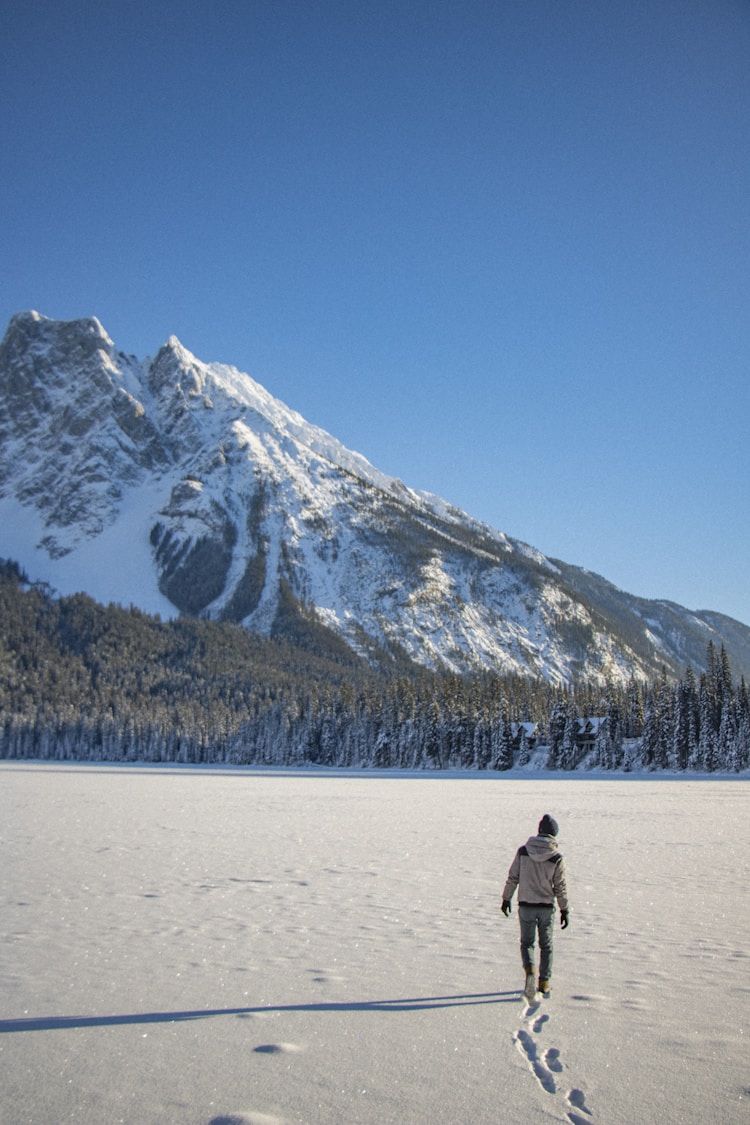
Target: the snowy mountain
pixel 185 487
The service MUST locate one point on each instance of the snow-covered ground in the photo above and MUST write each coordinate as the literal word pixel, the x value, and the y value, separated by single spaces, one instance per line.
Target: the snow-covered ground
pixel 187 946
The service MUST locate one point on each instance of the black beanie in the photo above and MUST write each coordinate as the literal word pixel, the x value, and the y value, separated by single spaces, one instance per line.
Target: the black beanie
pixel 548 826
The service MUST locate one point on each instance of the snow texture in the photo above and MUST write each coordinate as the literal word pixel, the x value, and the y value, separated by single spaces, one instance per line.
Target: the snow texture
pixel 233 947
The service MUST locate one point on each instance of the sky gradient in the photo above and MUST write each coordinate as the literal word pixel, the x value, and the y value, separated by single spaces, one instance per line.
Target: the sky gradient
pixel 500 248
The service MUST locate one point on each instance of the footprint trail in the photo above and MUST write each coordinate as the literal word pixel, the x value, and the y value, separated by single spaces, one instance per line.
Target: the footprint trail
pixel 546 1064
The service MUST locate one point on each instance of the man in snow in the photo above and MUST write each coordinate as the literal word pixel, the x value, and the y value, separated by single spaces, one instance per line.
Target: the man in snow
pixel 538 870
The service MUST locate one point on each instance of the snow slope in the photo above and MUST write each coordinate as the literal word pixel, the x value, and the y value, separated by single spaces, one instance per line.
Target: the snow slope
pixel 224 947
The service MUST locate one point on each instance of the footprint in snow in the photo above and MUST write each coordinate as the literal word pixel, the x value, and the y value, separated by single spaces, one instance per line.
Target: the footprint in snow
pixel 552 1059
pixel 576 1100
pixel 527 1046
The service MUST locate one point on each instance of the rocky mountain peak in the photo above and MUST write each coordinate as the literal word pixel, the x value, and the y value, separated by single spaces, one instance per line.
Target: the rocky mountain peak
pixel 175 371
pixel 185 487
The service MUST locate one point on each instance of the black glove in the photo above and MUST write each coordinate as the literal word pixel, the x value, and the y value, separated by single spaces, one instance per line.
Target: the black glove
pixel 506 907
pixel 564 919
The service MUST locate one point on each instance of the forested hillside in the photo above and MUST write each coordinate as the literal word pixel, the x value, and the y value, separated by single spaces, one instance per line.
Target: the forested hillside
pixel 79 681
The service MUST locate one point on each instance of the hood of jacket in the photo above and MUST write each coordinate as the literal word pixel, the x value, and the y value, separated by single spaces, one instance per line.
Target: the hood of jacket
pixel 540 848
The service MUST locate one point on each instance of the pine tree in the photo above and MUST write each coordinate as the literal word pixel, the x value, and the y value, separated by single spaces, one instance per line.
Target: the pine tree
pixel 613 723
pixel 633 709
pixel 524 753
pixel 557 724
pixel 502 757
pixel 741 756
pixel 602 751
pixel 649 749
pixel 724 684
pixel 569 752
pixel 482 743
pixel 705 757
pixel 727 738
pixel 665 723
pixel 685 728
pixel 433 735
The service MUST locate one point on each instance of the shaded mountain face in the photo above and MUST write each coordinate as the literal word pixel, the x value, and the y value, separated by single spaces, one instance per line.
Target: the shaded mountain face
pixel 185 487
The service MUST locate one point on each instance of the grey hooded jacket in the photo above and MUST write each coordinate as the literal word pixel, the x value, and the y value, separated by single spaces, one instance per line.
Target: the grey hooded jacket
pixel 538 870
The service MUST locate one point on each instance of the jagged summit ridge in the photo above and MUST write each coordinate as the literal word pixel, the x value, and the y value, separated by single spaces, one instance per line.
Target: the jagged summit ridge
pixel 184 486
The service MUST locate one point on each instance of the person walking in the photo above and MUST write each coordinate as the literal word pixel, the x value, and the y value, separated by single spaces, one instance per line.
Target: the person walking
pixel 538 871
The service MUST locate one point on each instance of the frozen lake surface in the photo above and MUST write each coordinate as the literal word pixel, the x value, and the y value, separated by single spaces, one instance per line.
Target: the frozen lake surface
pixel 187 946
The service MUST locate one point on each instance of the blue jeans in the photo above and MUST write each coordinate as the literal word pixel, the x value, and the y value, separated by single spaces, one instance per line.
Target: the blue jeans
pixel 533 919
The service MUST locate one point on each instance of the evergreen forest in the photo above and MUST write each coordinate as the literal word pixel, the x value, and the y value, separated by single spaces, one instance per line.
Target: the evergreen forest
pixel 84 682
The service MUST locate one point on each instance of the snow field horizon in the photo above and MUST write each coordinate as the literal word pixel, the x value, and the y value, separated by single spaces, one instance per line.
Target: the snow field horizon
pixel 199 946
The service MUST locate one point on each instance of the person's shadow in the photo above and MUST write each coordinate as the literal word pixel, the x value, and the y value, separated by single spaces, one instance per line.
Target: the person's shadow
pixel 413 1004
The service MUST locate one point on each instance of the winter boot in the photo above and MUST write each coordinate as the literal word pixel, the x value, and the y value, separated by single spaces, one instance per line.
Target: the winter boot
pixel 530 986
pixel 544 987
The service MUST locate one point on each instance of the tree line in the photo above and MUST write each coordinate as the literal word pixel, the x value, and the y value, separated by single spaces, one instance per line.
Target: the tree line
pixel 81 681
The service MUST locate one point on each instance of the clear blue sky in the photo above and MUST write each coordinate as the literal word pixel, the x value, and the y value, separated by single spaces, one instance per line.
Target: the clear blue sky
pixel 501 247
